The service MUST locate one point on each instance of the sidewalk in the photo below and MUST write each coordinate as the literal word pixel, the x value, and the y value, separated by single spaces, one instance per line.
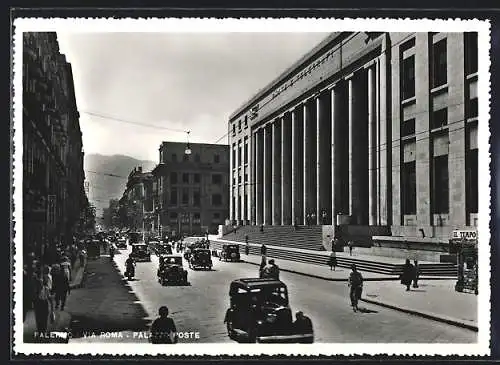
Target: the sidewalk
pixel 316 271
pixel 434 299
pixel 62 318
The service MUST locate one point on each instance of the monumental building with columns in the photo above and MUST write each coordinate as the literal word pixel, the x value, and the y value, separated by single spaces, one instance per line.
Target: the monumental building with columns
pixel 373 131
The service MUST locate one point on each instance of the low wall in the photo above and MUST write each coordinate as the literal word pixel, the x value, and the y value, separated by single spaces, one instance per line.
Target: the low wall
pixel 401 253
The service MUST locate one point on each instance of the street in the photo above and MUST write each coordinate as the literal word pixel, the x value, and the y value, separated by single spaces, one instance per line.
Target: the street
pixel 201 307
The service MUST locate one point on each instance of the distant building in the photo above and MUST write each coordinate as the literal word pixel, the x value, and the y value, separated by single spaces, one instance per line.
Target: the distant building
pixel 192 191
pixel 55 206
pixel 136 202
pixel 379 128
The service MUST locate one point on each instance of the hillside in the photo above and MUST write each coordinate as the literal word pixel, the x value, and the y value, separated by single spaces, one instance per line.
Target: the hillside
pixel 107 176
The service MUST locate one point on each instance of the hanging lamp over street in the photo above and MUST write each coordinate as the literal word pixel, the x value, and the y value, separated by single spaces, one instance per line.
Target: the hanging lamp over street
pixel 187 151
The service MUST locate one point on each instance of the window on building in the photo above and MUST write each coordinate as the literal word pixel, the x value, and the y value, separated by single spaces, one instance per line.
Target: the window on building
pixel 246 121
pixel 196 198
pixel 440 186
pixel 408 77
pixel 234 129
pixel 173 197
pixel 471 53
pixel 472 108
pixel 185 196
pixel 197 178
pixel 472 179
pixel 174 157
pixel 216 199
pixel 234 155
pixel 439 63
pixel 239 179
pixel 173 177
pixel 173 216
pixel 185 178
pixel 409 188
pixel 246 177
pixel 217 179
pixel 245 154
pixel 239 125
pixel 197 158
pixel 439 118
pixel 216 158
pixel 239 154
pixel 196 218
pixel 216 216
pixel 408 127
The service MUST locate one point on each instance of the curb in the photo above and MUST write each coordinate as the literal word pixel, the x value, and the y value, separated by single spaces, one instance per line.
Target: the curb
pixel 424 314
pixel 326 278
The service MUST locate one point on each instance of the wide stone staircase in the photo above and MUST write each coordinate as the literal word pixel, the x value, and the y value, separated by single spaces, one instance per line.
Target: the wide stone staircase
pixel 305 237
pixel 319 257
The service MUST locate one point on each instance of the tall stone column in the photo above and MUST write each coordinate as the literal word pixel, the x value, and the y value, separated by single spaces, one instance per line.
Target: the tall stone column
pixel 294 164
pixel 238 198
pixel 250 179
pixel 323 158
pixel 231 186
pixel 352 127
pixel 307 159
pixel 259 178
pixel 267 165
pixel 286 170
pixel 276 172
pixel 372 153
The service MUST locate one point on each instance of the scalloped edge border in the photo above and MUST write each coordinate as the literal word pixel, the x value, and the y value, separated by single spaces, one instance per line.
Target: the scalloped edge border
pixel 202 25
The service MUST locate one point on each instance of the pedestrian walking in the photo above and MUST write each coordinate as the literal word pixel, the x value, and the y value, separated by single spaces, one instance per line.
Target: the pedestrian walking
pixel 271 270
pixel 82 256
pixel 296 223
pixel 332 261
pixel 41 304
pixel 61 289
pixel 303 325
pixel 350 244
pixel 163 330
pixel 263 263
pixel 355 284
pixel 263 250
pixel 416 275
pixel 66 267
pixel 323 217
pixel 313 219
pixel 247 245
pixel 408 274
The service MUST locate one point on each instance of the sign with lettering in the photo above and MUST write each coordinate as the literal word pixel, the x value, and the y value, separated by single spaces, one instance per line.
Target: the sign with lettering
pixel 468 235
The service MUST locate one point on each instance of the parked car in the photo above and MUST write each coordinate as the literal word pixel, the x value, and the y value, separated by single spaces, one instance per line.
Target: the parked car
pixel 200 258
pixel 163 249
pixel 230 253
pixel 171 270
pixel 259 312
pixel 140 252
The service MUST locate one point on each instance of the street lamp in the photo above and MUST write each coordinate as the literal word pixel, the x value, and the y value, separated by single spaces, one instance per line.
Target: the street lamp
pixel 187 151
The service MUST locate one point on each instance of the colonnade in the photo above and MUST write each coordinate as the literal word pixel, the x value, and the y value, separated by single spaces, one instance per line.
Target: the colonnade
pixel 327 155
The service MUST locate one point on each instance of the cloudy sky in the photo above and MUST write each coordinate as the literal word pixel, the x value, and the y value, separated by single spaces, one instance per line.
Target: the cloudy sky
pixel 179 81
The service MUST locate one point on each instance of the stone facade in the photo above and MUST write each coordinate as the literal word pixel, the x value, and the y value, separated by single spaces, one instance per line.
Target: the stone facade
pixel 191 191
pixel 55 202
pixel 378 127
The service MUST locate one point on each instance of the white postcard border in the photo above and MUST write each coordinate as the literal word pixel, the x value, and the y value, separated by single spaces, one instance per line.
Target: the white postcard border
pixel 482 347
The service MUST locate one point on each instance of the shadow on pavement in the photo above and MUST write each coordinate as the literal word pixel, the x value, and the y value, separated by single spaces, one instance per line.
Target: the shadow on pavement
pixel 366 310
pixel 105 304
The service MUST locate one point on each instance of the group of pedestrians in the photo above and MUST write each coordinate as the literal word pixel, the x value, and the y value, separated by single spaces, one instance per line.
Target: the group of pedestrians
pixel 46 288
pixel 411 274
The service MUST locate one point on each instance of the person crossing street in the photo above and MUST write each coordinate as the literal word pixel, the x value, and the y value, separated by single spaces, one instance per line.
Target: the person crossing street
pixel 355 287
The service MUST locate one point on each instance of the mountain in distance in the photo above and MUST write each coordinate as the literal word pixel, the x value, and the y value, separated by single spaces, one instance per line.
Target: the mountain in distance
pixel 107 176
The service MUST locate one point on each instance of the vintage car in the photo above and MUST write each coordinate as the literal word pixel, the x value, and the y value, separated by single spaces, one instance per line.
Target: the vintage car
pixel 121 243
pixel 230 253
pixel 162 248
pixel 200 258
pixel 94 248
pixel 140 252
pixel 170 270
pixel 259 312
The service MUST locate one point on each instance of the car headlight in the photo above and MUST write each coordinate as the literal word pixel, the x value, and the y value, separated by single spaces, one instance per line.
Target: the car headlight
pixel 271 318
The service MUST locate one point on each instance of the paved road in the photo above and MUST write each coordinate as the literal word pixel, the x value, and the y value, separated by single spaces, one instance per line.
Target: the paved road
pixel 202 305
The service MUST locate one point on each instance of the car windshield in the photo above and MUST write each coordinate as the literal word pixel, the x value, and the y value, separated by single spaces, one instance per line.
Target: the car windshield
pixel 140 249
pixel 265 295
pixel 173 260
